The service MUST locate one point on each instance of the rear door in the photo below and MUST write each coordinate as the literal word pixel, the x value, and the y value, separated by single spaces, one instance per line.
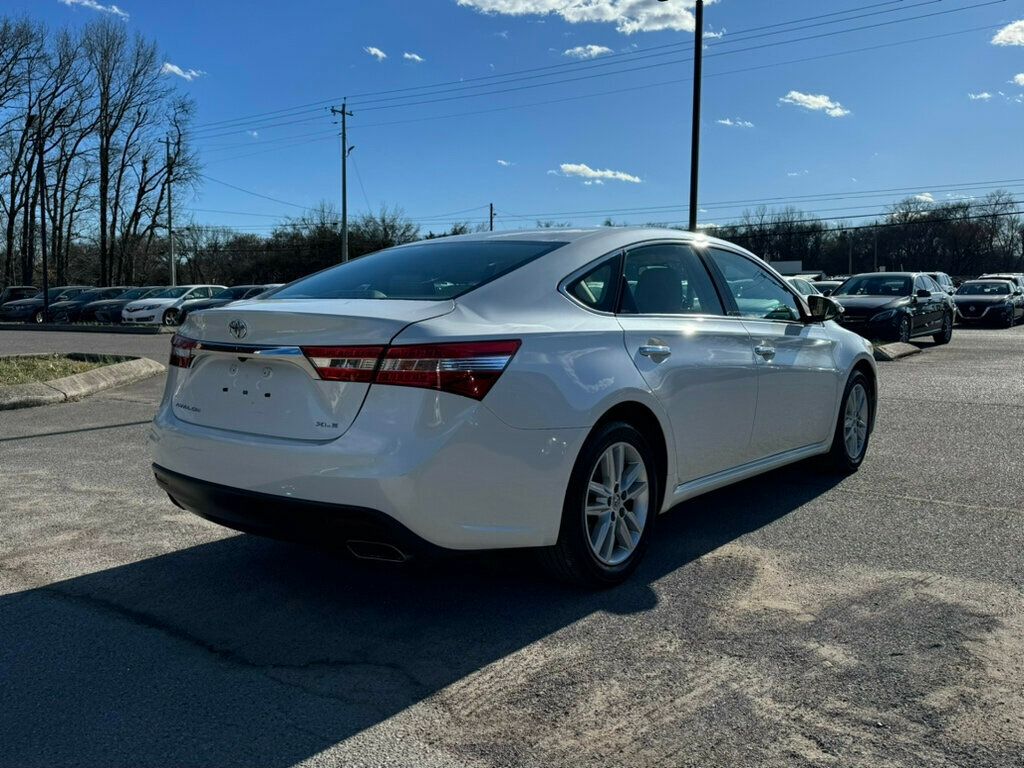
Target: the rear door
pixel 927 311
pixel 697 361
pixel 798 380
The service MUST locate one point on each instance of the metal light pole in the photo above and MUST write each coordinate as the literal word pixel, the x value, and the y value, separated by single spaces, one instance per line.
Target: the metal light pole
pixel 698 61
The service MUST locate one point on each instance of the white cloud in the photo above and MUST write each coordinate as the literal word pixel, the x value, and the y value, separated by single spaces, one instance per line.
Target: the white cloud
pixel 586 172
pixel 92 5
pixel 413 57
pixel 505 163
pixel 593 182
pixel 586 51
pixel 254 134
pixel 1011 34
pixel 629 16
pixel 377 53
pixel 983 96
pixel 185 74
pixel 925 197
pixel 728 122
pixel 1019 79
pixel 795 174
pixel 815 103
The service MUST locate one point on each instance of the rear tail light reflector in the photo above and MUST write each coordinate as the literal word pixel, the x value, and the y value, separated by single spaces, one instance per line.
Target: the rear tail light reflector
pixel 344 363
pixel 462 368
pixel 181 351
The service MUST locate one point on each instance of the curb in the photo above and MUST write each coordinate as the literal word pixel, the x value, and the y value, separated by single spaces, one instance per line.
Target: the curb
pixel 888 353
pixel 140 330
pixel 80 385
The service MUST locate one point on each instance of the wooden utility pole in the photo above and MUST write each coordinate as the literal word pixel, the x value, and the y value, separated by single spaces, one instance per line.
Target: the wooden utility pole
pixel 170 212
pixel 698 61
pixel 345 149
pixel 492 217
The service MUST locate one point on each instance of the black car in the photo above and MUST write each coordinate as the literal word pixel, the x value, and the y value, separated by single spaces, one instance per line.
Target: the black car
pixel 109 310
pixel 896 306
pixel 999 302
pixel 69 310
pixel 226 296
pixel 31 310
pixel 17 292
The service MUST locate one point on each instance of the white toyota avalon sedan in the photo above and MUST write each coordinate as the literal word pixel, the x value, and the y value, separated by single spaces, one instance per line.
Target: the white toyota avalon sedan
pixel 555 389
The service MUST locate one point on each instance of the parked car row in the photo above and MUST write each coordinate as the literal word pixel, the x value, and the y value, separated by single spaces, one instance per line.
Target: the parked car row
pixel 154 304
pixel 899 306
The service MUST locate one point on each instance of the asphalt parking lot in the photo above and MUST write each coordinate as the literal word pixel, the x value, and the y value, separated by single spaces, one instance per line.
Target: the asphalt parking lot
pixel 792 620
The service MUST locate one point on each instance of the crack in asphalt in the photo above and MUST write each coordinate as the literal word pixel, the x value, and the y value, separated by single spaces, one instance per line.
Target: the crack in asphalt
pixel 226 655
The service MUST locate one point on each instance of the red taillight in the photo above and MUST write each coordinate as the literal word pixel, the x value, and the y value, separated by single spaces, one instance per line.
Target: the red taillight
pixel 181 351
pixel 344 363
pixel 462 368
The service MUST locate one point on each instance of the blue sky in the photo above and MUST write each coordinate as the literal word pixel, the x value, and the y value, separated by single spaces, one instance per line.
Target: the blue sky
pixel 898 116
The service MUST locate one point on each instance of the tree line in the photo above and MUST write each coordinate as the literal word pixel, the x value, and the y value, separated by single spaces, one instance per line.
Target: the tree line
pixel 113 135
pixel 94 104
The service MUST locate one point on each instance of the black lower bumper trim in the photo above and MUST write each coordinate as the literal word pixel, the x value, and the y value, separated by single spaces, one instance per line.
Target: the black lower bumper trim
pixel 281 517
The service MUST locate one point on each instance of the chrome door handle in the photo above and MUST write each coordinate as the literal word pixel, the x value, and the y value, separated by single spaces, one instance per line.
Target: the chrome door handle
pixel 655 350
pixel 768 353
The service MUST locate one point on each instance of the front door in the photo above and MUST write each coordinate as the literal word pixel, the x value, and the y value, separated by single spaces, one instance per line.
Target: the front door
pixel 798 380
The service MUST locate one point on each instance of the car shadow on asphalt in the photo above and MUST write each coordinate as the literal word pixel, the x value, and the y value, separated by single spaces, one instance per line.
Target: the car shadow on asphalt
pixel 251 652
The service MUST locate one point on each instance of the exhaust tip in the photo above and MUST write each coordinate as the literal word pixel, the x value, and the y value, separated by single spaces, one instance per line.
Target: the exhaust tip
pixel 376 550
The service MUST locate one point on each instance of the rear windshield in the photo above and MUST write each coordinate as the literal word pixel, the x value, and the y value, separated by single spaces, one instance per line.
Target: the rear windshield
pixel 875 285
pixel 984 289
pixel 432 270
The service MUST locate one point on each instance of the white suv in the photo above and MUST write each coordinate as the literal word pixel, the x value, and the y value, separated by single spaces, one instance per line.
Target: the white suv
pixel 162 308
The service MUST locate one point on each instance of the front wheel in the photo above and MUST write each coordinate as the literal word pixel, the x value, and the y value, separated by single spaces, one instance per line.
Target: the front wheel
pixel 170 317
pixel 903 330
pixel 613 498
pixel 39 317
pixel 945 335
pixel 853 428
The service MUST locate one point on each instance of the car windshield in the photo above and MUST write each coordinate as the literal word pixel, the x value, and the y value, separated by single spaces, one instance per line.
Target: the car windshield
pixel 875 285
pixel 233 293
pixel 172 293
pixel 434 270
pixel 984 289
pixel 134 293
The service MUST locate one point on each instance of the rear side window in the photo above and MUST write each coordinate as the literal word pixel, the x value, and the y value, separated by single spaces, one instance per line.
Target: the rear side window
pixel 433 270
pixel 596 289
pixel 667 279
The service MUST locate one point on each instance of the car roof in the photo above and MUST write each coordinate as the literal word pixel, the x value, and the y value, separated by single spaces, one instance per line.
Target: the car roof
pixel 592 234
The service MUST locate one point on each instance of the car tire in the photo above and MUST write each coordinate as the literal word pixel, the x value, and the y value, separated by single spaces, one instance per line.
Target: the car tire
pixel 39 318
pixel 1009 321
pixel 904 329
pixel 170 317
pixel 846 455
pixel 945 335
pixel 614 454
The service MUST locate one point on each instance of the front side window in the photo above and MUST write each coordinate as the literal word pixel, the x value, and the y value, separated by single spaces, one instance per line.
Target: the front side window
pixel 755 291
pixel 667 279
pixel 433 270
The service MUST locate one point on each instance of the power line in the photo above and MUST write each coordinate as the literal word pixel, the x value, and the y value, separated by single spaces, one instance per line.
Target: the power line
pixel 584 65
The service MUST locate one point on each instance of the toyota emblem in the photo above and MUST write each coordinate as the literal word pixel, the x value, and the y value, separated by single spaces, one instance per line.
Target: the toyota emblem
pixel 238 328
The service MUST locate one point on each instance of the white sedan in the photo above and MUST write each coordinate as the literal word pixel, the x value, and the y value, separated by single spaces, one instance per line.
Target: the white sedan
pixel 555 389
pixel 162 308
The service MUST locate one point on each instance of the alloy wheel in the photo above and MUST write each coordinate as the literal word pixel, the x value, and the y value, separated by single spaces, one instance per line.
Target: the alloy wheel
pixel 617 504
pixel 855 422
pixel 905 329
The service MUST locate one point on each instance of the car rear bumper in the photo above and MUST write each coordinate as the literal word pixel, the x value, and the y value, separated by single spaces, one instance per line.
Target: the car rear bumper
pixel 293 519
pixel 441 466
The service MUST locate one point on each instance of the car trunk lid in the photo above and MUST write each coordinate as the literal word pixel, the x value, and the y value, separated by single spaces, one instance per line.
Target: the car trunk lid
pixel 248 372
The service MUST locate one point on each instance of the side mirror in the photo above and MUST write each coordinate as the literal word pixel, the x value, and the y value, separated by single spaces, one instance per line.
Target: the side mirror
pixel 924 294
pixel 824 308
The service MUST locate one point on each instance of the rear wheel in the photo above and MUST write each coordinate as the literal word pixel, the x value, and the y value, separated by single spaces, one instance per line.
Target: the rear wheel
pixel 945 334
pixel 853 428
pixel 613 497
